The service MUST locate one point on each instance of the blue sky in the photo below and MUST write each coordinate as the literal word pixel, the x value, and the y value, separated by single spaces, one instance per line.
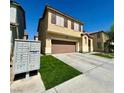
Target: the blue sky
pixel 96 14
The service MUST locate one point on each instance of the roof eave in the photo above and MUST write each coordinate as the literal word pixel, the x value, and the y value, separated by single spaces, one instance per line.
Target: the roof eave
pixel 50 8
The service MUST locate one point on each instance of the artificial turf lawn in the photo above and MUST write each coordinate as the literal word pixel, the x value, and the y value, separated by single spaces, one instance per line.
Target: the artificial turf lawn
pixel 53 71
pixel 106 55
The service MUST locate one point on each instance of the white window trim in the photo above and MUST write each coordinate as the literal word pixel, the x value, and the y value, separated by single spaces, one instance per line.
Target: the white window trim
pixel 81 27
pixel 62 21
pixel 76 26
pixel 59 21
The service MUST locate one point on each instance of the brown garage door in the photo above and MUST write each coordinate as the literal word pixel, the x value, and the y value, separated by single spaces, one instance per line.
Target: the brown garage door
pixel 63 46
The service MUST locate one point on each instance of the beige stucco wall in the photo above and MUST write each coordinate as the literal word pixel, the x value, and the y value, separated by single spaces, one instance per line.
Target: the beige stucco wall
pixel 85 47
pixel 43 24
pixel 77 46
pixel 91 47
pixel 105 37
pixel 94 42
pixel 53 28
pixel 48 49
pixel 102 39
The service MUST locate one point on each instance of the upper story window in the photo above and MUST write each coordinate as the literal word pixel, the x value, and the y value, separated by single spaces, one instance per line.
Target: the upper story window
pixel 65 22
pixel 76 26
pixel 53 18
pixel 59 20
pixel 98 35
pixel 80 27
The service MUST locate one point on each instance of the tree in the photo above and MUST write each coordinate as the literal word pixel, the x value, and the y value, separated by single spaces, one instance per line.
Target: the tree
pixel 109 44
pixel 111 34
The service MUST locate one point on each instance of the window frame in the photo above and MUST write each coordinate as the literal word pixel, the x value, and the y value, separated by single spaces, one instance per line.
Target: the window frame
pixel 72 25
pixel 65 22
pixel 76 26
pixel 53 18
pixel 80 27
pixel 59 20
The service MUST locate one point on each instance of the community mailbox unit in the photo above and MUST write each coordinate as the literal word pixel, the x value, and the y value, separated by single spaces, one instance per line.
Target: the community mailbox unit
pixel 26 56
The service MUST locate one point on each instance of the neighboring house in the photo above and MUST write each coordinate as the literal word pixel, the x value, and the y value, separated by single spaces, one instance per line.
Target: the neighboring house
pixel 17 23
pixel 99 39
pixel 61 33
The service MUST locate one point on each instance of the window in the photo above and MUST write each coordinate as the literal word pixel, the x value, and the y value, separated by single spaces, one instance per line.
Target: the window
pixel 99 45
pixel 98 35
pixel 62 21
pixel 59 21
pixel 65 22
pixel 53 18
pixel 85 40
pixel 76 26
pixel 72 25
pixel 80 27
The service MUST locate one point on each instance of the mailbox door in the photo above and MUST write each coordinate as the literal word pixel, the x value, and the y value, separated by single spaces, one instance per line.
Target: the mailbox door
pixel 34 60
pixel 21 57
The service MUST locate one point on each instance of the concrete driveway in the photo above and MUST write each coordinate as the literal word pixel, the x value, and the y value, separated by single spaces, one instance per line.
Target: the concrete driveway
pixel 97 77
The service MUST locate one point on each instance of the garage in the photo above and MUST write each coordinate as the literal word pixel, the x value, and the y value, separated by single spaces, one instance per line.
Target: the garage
pixel 63 46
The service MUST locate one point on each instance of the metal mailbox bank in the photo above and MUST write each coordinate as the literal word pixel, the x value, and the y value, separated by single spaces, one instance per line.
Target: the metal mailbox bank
pixel 26 56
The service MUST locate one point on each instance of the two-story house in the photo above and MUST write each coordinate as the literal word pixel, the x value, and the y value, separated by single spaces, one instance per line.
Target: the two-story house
pixel 99 39
pixel 17 21
pixel 61 33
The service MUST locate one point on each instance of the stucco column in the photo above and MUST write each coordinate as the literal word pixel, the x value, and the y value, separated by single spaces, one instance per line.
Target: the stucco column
pixel 85 47
pixel 77 46
pixel 48 47
pixel 81 43
pixel 91 45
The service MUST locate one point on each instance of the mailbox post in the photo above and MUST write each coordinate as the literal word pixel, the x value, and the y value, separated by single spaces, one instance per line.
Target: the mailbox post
pixel 26 56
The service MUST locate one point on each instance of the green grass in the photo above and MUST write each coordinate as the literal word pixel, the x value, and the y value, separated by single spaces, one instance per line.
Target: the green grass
pixel 106 55
pixel 54 71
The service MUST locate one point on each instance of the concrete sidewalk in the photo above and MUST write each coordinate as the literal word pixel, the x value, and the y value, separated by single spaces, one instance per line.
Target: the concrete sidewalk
pixel 33 84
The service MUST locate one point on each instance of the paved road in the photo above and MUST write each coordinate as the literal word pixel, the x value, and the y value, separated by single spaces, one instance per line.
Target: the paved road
pixel 97 77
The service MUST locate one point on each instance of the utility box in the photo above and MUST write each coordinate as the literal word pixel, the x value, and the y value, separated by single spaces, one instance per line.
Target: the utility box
pixel 26 56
